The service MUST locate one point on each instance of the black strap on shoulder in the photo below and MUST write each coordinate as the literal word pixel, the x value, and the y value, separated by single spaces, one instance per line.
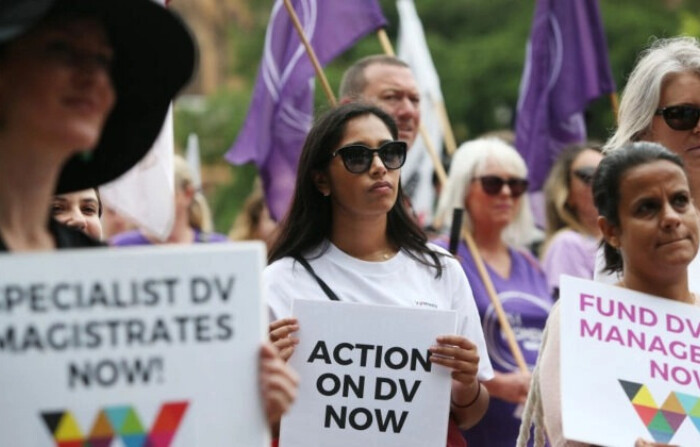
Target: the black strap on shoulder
pixel 327 290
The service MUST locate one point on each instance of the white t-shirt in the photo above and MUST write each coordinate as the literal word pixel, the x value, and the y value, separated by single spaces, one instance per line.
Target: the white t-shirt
pixel 612 278
pixel 399 281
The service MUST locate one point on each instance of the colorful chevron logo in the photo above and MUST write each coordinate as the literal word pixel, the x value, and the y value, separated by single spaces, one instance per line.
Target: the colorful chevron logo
pixel 117 421
pixel 662 422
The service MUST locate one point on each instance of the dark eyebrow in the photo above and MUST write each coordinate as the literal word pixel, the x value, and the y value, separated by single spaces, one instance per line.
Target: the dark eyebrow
pixel 89 200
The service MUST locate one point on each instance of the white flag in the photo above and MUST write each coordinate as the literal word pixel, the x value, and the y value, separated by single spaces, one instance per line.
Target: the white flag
pixel 145 195
pixel 193 160
pixel 417 173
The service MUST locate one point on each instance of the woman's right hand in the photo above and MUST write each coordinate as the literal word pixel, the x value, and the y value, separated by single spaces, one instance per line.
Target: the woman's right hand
pixel 281 336
pixel 511 387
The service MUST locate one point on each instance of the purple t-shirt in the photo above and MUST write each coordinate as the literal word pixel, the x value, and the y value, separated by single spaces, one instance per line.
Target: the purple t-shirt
pixel 569 252
pixel 526 301
pixel 135 237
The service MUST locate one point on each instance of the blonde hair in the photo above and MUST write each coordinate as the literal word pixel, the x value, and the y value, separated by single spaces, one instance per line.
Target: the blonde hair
pixel 558 187
pixel 245 226
pixel 467 163
pixel 640 98
pixel 199 214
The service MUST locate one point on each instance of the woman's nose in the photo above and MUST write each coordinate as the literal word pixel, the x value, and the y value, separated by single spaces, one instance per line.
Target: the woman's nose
pixel 671 217
pixel 377 166
pixel 77 220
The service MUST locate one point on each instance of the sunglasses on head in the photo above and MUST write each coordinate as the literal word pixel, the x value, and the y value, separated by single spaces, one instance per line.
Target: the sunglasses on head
pixel 492 185
pixel 585 174
pixel 680 117
pixel 358 158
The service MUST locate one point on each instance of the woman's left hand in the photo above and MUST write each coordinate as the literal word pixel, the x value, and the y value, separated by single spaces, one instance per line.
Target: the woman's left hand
pixel 278 383
pixel 460 355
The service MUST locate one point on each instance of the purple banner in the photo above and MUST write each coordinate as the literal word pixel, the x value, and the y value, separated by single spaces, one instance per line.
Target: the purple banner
pixel 281 111
pixel 566 66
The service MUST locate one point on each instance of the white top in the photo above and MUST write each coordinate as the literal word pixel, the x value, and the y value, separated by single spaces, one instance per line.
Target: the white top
pixel 399 281
pixel 612 278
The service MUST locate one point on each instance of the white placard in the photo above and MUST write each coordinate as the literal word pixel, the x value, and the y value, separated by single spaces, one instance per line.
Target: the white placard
pixel 365 377
pixel 114 346
pixel 630 366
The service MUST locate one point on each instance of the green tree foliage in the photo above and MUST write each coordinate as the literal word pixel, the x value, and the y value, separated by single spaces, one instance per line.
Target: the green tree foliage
pixel 478 47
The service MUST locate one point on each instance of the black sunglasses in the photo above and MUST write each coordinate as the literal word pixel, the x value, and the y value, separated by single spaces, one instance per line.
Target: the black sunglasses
pixel 680 117
pixel 358 158
pixel 585 174
pixel 493 184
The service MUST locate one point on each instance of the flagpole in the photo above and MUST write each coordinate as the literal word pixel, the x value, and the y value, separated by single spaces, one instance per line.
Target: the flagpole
pixel 312 55
pixel 615 105
pixel 498 307
pixel 437 163
pixel 450 142
pixel 385 42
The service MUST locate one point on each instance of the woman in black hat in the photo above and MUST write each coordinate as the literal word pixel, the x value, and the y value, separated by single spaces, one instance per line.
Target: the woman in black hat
pixel 84 89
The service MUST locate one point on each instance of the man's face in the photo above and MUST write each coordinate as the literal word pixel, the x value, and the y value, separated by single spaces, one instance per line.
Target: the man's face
pixel 394 90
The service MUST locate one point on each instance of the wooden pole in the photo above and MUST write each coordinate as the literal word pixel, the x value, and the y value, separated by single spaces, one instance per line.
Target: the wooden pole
pixel 385 42
pixel 493 296
pixel 312 55
pixel 450 141
pixel 615 105
pixel 437 163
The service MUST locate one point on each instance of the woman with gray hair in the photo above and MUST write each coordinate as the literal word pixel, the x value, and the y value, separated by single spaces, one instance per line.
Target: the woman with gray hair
pixel 488 179
pixel 661 103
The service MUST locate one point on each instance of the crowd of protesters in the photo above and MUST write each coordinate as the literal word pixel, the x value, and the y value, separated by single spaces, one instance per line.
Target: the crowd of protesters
pixel 72 119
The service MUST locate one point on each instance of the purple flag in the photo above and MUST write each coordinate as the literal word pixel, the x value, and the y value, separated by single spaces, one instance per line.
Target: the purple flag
pixel 281 111
pixel 566 66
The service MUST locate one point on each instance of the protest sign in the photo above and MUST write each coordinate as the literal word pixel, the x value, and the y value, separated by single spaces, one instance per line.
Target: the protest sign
pixel 366 377
pixel 630 366
pixel 154 346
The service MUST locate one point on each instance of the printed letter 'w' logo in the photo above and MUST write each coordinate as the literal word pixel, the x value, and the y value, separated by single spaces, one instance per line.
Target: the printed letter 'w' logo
pixel 662 421
pixel 121 421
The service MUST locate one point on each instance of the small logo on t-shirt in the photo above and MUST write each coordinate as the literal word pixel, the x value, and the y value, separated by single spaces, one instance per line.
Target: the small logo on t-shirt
pixel 426 304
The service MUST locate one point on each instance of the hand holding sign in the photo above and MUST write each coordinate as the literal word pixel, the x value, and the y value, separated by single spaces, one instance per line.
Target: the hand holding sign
pixel 278 383
pixel 459 354
pixel 281 336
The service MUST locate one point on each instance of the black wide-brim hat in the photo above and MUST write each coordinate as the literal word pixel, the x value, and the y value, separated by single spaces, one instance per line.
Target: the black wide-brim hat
pixel 154 57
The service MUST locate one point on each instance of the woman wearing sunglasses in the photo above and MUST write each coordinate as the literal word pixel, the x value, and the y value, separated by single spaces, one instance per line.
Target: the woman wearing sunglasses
pixel 488 179
pixel 661 103
pixel 572 218
pixel 348 225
